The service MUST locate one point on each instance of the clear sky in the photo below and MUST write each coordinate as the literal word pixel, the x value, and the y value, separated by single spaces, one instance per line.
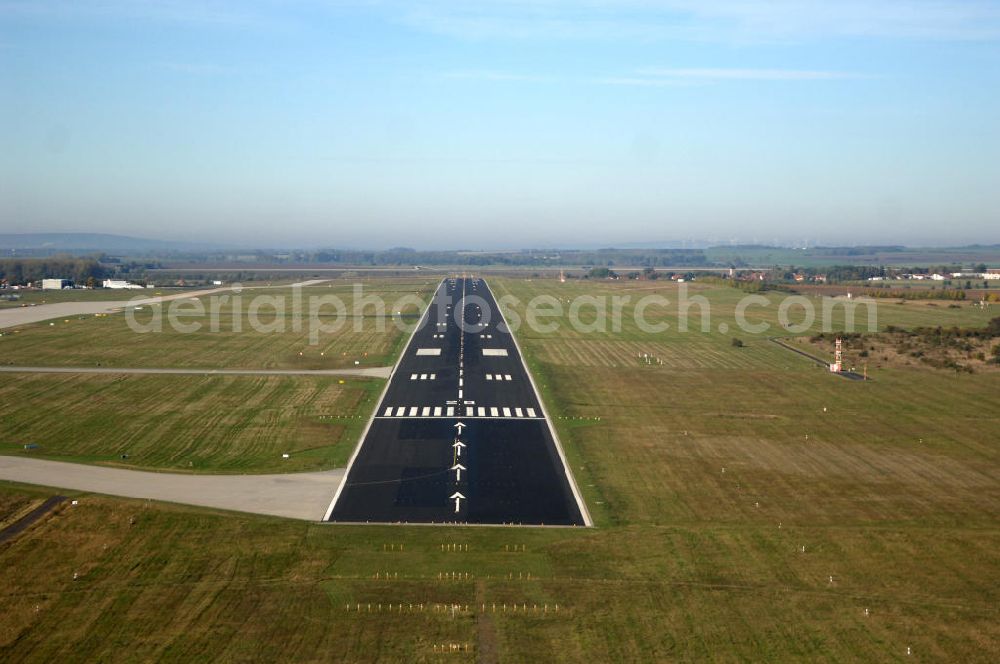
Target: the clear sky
pixel 504 123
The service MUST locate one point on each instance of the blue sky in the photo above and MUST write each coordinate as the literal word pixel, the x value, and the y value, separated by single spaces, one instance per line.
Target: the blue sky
pixel 502 124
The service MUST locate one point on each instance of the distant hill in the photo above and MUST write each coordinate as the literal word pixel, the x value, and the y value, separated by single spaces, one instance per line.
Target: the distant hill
pixel 83 243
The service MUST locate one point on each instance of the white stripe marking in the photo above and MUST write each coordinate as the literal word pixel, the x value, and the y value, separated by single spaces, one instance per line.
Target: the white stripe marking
pixel 413 376
pixel 400 411
pixel 494 412
pixel 451 411
pixel 506 377
pixel 489 376
pixel 482 411
pixel 426 411
pixel 437 411
pixel 531 412
pixel 388 412
pixel 413 411
pixel 506 412
pixel 517 411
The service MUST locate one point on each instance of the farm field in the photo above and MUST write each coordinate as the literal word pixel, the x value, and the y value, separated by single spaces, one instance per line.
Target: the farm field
pixel 750 506
pixel 820 256
pixel 107 340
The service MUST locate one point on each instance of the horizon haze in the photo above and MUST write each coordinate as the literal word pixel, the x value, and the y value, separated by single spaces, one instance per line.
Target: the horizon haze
pixel 494 125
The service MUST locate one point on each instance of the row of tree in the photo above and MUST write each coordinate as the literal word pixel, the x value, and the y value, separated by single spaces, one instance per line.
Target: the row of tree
pixel 16 271
pixel 915 294
pixel 404 256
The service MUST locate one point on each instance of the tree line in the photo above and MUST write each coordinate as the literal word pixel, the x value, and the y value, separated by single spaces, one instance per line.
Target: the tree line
pixel 19 271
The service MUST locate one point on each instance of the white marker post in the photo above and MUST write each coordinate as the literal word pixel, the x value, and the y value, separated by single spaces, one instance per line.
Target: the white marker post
pixel 458 498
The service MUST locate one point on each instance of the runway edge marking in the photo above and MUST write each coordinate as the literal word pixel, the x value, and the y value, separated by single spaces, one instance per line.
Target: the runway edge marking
pixel 381 401
pixel 584 512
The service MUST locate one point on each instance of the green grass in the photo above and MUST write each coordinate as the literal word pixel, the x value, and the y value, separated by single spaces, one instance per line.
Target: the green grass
pixel 188 423
pixel 199 423
pixel 34 298
pixel 108 340
pixel 893 494
pixel 908 257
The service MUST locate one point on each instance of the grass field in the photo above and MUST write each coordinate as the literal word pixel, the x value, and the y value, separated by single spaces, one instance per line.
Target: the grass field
pixel 750 506
pixel 817 257
pixel 371 340
pixel 37 297
pixel 190 423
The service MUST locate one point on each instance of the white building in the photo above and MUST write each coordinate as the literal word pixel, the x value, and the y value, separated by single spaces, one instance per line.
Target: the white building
pixel 56 284
pixel 119 284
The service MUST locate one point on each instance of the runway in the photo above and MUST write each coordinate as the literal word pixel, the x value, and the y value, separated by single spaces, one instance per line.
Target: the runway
pixel 460 435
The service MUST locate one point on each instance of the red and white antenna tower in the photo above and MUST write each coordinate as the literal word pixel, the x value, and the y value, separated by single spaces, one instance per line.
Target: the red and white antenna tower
pixel 838 356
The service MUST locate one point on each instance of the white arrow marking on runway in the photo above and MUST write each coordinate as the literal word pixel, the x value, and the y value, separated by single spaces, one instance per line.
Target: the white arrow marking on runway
pixel 458 498
pixel 458 447
pixel 458 468
pixel 460 426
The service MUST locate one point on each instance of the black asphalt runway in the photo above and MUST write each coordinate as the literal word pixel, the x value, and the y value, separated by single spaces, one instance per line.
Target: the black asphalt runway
pixel 460 436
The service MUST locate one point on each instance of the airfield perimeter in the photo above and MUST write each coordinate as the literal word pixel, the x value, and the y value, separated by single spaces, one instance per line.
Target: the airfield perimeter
pixel 748 506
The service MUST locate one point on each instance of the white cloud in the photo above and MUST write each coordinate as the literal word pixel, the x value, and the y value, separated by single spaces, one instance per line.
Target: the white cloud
pixel 720 74
pixel 707 20
pixel 703 20
pixel 491 75
pixel 641 82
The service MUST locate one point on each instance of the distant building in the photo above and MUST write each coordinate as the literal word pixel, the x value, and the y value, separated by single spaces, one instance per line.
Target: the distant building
pixel 119 284
pixel 56 284
pixel 992 273
pixel 938 277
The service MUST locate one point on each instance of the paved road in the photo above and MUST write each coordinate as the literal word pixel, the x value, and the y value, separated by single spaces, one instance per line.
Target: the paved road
pixel 369 372
pixel 25 522
pixel 294 495
pixel 850 375
pixel 15 316
pixel 501 464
